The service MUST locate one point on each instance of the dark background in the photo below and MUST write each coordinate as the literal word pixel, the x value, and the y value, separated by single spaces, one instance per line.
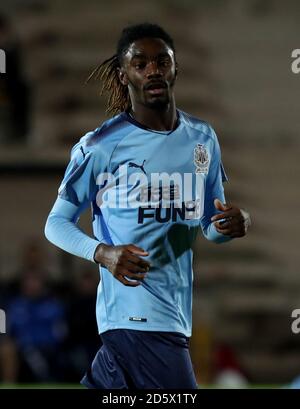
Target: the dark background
pixel 234 72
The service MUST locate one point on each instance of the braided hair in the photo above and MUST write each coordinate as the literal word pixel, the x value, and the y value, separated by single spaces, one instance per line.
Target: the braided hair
pixel 107 71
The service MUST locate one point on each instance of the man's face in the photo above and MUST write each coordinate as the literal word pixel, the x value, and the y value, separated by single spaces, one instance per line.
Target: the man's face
pixel 149 71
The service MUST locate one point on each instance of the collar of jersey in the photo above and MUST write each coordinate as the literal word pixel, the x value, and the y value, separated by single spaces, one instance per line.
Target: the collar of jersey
pixel 130 119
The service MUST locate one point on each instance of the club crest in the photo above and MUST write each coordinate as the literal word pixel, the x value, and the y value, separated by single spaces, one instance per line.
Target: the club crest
pixel 201 160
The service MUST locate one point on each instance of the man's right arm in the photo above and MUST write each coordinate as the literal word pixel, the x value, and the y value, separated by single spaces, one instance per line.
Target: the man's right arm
pixel 78 189
pixel 122 261
pixel 61 229
pixel 75 194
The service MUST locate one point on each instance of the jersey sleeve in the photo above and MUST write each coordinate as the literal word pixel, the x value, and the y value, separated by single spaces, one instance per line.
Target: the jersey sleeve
pixel 214 190
pixel 76 192
pixel 79 183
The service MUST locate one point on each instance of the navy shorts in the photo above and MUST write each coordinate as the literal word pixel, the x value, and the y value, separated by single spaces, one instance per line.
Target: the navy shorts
pixel 130 359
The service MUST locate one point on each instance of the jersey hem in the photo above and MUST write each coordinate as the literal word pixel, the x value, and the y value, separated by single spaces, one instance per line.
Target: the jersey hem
pixel 141 327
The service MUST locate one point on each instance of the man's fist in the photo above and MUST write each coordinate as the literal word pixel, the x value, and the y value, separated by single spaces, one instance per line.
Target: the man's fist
pixel 232 221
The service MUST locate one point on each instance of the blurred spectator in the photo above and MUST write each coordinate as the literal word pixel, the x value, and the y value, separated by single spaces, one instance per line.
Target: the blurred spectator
pixel 36 328
pixel 47 341
pixel 228 371
pixel 32 260
pixel 83 340
pixel 14 91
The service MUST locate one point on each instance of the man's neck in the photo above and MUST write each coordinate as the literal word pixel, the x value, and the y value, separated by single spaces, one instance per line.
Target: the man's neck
pixel 157 119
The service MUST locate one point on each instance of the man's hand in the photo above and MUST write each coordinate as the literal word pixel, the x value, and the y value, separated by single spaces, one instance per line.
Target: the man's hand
pixel 233 222
pixel 123 262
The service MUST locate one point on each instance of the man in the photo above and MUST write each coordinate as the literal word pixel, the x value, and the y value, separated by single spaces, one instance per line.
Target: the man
pixel 153 175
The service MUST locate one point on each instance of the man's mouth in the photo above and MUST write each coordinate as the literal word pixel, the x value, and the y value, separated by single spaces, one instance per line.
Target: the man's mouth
pixel 156 88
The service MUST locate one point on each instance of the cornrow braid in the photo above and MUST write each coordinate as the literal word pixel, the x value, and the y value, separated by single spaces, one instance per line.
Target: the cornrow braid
pixel 107 72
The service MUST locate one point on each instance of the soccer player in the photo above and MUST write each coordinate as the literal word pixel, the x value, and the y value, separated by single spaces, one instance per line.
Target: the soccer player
pixel 152 175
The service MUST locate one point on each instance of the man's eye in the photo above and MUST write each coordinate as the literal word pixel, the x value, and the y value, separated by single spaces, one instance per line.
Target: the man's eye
pixel 164 63
pixel 140 66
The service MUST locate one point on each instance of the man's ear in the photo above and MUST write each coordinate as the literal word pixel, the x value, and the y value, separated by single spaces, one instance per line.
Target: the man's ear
pixel 122 76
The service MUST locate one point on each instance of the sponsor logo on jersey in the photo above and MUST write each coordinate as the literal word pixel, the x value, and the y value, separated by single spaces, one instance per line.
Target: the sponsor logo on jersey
pixel 191 210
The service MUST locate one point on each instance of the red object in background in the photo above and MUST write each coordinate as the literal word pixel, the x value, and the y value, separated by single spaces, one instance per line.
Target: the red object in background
pixel 225 358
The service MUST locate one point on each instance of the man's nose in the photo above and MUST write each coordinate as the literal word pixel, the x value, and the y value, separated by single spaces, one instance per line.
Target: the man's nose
pixel 153 70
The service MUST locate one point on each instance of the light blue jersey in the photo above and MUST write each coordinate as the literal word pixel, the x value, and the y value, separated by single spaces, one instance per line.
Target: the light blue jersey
pixel 150 188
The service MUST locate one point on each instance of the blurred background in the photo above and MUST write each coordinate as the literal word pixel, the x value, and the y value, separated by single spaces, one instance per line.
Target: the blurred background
pixel 234 72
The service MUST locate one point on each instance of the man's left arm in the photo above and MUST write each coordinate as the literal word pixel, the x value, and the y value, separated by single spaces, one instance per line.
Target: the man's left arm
pixel 221 222
pixel 232 221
